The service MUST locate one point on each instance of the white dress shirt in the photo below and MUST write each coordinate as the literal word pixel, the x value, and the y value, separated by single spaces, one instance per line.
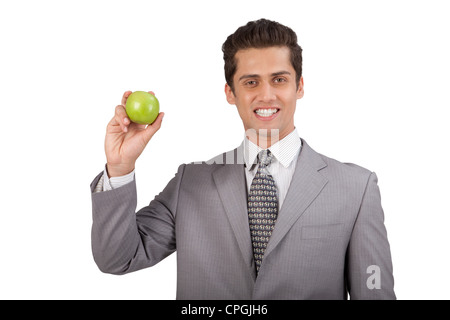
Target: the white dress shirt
pixel 105 183
pixel 282 168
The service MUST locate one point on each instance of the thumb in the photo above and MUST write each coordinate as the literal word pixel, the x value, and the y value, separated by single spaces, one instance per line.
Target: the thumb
pixel 152 128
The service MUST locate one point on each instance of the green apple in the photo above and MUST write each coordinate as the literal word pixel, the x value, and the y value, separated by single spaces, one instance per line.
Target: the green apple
pixel 142 107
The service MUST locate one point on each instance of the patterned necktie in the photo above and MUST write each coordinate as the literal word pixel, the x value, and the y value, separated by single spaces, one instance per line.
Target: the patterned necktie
pixel 262 207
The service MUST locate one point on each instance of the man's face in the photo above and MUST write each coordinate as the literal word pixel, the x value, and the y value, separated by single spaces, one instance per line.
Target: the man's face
pixel 265 90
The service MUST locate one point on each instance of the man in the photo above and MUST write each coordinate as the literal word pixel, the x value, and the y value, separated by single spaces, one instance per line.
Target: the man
pixel 272 219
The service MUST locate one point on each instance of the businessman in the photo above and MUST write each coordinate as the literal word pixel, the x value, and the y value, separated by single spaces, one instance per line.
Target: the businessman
pixel 271 219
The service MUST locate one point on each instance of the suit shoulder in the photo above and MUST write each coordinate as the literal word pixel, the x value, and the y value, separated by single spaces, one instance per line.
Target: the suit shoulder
pixel 349 178
pixel 228 157
pixel 209 165
pixel 346 168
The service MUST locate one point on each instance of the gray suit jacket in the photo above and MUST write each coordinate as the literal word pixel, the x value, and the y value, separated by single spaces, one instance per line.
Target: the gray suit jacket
pixel 329 238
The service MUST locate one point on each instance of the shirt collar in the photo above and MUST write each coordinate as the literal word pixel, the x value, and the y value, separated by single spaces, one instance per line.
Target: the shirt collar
pixel 284 150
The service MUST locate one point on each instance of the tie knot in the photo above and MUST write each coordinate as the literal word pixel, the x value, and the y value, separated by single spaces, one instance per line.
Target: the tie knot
pixel 265 158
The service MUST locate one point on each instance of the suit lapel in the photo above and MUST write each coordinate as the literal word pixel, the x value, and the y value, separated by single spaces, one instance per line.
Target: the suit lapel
pixel 306 185
pixel 231 185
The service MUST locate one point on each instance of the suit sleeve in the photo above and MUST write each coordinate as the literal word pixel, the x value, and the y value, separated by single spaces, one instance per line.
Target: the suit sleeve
pixel 369 270
pixel 124 240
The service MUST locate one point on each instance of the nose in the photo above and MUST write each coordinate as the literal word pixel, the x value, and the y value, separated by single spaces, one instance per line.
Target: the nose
pixel 266 92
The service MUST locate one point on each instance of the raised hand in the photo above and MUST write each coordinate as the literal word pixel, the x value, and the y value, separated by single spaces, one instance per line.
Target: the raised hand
pixel 125 140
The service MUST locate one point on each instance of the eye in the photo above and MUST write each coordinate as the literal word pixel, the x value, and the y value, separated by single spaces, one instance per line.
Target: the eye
pixel 279 80
pixel 250 83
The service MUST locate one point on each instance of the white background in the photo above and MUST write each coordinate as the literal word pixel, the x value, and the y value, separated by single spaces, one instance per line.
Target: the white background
pixel 376 92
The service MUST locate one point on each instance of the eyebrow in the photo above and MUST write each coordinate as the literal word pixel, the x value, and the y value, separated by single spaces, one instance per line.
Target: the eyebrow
pixel 275 74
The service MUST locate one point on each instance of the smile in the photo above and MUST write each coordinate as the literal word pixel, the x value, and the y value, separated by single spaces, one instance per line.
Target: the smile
pixel 266 112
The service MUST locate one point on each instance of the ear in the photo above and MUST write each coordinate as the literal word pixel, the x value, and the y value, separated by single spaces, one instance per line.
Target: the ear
pixel 300 91
pixel 229 94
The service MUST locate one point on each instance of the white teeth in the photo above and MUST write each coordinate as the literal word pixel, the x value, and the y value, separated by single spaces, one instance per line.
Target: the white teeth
pixel 266 112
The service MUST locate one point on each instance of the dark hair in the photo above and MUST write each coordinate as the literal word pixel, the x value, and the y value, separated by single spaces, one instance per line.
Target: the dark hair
pixel 260 34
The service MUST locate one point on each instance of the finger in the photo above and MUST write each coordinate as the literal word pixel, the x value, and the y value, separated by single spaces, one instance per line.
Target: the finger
pixel 125 97
pixel 152 128
pixel 121 118
pixel 151 92
pixel 158 120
